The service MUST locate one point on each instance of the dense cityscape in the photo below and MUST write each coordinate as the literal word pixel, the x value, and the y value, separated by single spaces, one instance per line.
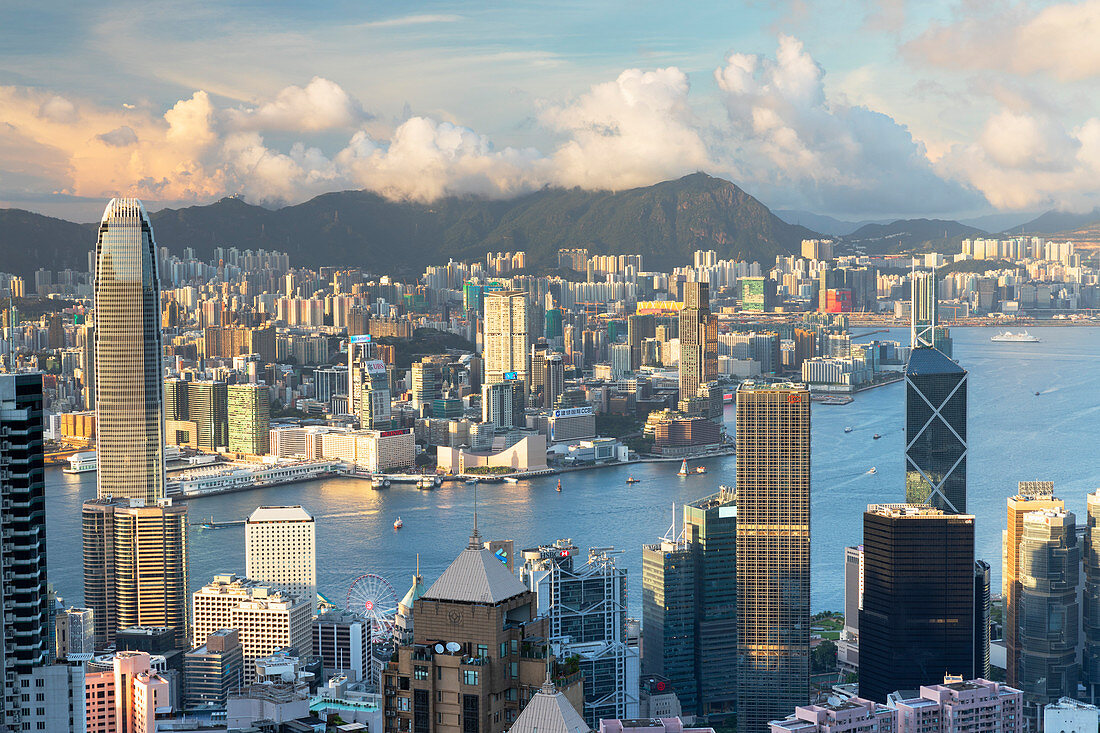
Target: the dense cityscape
pixel 449 367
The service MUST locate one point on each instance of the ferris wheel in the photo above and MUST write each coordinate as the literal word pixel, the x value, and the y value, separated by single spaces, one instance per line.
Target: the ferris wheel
pixel 372 597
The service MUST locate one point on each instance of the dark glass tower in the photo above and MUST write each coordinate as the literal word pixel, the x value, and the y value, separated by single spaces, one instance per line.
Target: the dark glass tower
pixel 935 431
pixel 710 527
pixel 917 622
pixel 668 616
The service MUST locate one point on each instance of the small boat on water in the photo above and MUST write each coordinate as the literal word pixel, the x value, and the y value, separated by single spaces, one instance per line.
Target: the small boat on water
pixel 848 429
pixel 211 524
pixel 683 468
pixel 379 482
pixel 700 469
pixel 559 485
pixel 876 436
pixel 873 470
pixel 510 480
pixel 1036 394
pixel 428 482
pixel 632 480
pixel 398 524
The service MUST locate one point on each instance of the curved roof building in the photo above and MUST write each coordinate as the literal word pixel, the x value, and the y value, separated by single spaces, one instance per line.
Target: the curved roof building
pixel 128 370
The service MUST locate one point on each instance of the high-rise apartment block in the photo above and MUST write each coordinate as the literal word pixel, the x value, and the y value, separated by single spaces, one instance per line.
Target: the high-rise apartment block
pixel 918 598
pixel 961 706
pixel 773 551
pixel 1031 496
pixel 1047 609
pixel 340 639
pixel 506 334
pixel 128 370
pixel 127 697
pixel 586 607
pixel 266 619
pixel 854 715
pixel 74 635
pixel 281 550
pixel 23 594
pixel 135 566
pixel 935 431
pixel 249 418
pixel 698 340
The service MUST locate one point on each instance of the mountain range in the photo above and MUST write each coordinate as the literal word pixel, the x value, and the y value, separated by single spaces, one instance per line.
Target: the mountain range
pixel 664 222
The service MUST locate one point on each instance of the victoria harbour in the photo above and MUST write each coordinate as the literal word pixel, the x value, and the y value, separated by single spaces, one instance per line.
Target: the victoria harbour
pixel 1015 435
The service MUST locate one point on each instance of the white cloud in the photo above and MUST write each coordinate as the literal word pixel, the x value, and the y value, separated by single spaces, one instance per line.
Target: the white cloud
pixel 320 105
pixel 1059 41
pixel 407 20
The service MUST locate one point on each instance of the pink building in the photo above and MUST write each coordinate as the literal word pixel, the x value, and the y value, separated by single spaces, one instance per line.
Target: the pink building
pixel 126 698
pixel 849 716
pixel 975 706
pixel 649 725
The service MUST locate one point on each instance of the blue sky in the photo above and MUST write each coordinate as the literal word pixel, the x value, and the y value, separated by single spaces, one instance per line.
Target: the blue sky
pixel 855 109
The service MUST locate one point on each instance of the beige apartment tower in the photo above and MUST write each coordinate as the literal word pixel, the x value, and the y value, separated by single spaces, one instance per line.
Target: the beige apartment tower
pixel 127 361
pixel 1031 496
pixel 773 552
pixel 505 336
pixel 698 340
pixel 135 566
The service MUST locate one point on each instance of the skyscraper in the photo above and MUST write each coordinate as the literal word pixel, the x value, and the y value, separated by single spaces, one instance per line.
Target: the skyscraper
pixel 135 566
pixel 505 337
pixel 918 598
pixel 639 328
pixel 25 641
pixel 773 551
pixel 698 340
pixel 208 408
pixel 368 385
pixel 281 550
pixel 249 418
pixel 128 371
pixel 1031 496
pixel 1090 554
pixel 925 303
pixel 710 527
pixel 668 616
pixel 1050 562
pixel 935 431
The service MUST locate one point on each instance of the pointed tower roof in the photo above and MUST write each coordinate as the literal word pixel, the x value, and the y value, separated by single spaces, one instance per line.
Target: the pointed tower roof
pixel 549 712
pixel 476 576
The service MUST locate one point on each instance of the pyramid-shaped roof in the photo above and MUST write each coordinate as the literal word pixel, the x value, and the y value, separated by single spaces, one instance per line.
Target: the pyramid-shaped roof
pixel 475 576
pixel 927 360
pixel 549 712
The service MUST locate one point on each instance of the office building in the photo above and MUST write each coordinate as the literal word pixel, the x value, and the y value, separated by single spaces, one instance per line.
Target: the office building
pixel 340 639
pixel 330 381
pixel 847 647
pixel 505 336
pixel 249 418
pixel 638 329
pixel 553 380
pixel 127 697
pixel 369 385
pixel 266 619
pixel 281 551
pixel 23 595
pixel 853 715
pixel 1090 555
pixel 128 369
pixel 1030 496
pixel 213 671
pixel 586 607
pixel 498 403
pixel 427 381
pixel 698 340
pixel 1048 612
pixel 1071 716
pixel 918 598
pixel 208 408
pixel 960 706
pixel 710 528
pixel 773 551
pixel 135 566
pixel 175 400
pixel 983 617
pixel 75 634
pixel 473 662
pixel 935 431
pixel 923 311
pixel 668 615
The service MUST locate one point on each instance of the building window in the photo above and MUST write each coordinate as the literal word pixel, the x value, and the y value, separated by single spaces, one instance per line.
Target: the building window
pixel 503 649
pixel 469 676
pixel 482 651
pixel 403 704
pixel 420 673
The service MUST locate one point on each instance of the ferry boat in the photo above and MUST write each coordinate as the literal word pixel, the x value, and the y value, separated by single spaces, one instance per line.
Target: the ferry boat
pixel 81 462
pixel 632 480
pixel 379 482
pixel 683 468
pixel 510 480
pixel 398 524
pixel 428 482
pixel 1021 338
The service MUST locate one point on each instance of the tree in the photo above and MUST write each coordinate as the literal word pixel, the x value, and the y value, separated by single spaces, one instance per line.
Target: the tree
pixel 823 657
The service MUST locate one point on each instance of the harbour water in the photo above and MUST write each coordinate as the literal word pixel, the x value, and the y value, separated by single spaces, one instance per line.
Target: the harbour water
pixel 1014 436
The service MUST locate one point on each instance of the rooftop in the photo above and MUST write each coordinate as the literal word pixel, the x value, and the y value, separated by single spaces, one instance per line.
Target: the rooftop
pixel 475 576
pixel 279 514
pixel 931 361
pixel 549 712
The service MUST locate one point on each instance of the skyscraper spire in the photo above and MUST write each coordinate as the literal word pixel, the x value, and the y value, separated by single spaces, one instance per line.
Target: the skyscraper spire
pixel 475 538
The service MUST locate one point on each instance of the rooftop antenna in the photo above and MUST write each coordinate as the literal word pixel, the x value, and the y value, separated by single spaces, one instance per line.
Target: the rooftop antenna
pixel 475 538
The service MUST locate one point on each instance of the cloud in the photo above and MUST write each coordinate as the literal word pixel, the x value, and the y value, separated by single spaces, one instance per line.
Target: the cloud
pixel 794 142
pixel 57 109
pixel 320 105
pixel 1059 41
pixel 119 137
pixel 407 20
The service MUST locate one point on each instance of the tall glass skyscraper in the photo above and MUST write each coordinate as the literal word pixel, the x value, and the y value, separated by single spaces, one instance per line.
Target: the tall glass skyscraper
pixel 1090 556
pixel 773 552
pixel 935 431
pixel 698 340
pixel 128 371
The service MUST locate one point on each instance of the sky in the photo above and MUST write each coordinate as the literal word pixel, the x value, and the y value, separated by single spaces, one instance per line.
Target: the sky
pixel 859 109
